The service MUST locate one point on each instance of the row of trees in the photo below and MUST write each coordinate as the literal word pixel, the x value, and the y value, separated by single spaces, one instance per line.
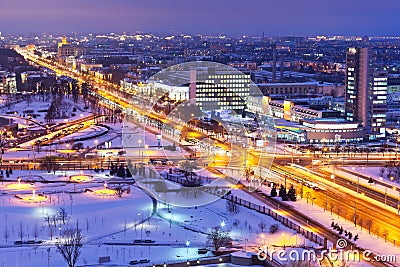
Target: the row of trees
pixel 286 195
pixel 119 171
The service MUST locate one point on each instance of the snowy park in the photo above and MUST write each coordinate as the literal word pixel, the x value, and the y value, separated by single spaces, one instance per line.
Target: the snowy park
pixel 37 207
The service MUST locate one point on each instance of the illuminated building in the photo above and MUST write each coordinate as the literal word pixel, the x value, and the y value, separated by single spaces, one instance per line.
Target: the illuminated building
pixel 68 52
pixel 8 83
pixel 366 92
pixel 219 90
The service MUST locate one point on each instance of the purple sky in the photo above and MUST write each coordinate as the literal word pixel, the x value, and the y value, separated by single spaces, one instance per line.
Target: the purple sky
pixel 237 17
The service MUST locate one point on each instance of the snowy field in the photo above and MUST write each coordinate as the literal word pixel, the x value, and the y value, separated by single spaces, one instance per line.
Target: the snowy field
pixel 40 106
pixel 110 224
pixel 366 240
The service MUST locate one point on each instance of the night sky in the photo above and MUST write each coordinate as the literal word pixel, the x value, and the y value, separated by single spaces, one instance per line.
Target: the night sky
pixel 231 17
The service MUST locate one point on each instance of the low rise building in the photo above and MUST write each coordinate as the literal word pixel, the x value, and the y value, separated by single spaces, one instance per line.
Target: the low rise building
pixel 8 83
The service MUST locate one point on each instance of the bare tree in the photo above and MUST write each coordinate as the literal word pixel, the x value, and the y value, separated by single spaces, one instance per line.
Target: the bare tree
pixel 360 222
pixel 87 225
pixel 368 224
pixel 332 205
pixel 381 171
pixel 309 196
pixel 51 232
pixel 69 246
pixel 48 219
pixel 35 231
pixel 385 234
pixel 377 230
pixel 54 219
pixel 119 191
pixel 262 226
pixel 62 213
pixel 188 166
pixel 219 238
pixel 354 218
pixel 274 228
pixel 338 209
pixel 6 233
pixel 232 207
pixel 21 231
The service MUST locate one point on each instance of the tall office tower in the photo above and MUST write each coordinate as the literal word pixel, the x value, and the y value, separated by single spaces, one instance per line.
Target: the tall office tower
pixel 366 91
pixel 379 105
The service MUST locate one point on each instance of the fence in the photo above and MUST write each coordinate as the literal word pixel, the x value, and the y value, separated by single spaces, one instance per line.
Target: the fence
pixel 263 210
pixel 285 221
pixel 200 261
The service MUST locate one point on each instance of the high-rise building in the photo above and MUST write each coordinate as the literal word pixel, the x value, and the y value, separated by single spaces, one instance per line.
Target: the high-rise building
pixel 379 104
pixel 366 91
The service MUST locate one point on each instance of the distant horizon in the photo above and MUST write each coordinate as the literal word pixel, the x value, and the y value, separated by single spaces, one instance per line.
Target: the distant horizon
pixel 176 33
pixel 232 18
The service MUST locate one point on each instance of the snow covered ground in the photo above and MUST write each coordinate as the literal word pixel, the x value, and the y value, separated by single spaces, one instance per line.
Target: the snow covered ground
pixel 39 107
pixel 110 224
pixel 366 240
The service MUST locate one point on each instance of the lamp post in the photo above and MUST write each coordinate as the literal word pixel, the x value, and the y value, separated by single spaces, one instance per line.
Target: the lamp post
pixel 358 180
pixel 263 237
pixel 355 213
pixel 187 246
pixel 146 147
pixel 67 148
pixel 159 136
pixel 139 145
pixel 326 200
pixel 141 228
pixel 385 195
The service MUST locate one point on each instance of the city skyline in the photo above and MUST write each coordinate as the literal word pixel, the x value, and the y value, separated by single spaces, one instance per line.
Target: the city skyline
pixel 182 133
pixel 206 17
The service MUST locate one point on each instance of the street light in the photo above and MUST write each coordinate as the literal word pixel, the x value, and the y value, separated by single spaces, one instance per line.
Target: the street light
pixel 263 237
pixel 358 179
pixel 187 246
pixel 141 222
pixel 140 152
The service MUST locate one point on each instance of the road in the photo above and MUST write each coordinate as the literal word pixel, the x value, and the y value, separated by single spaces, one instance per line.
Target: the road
pixel 346 205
